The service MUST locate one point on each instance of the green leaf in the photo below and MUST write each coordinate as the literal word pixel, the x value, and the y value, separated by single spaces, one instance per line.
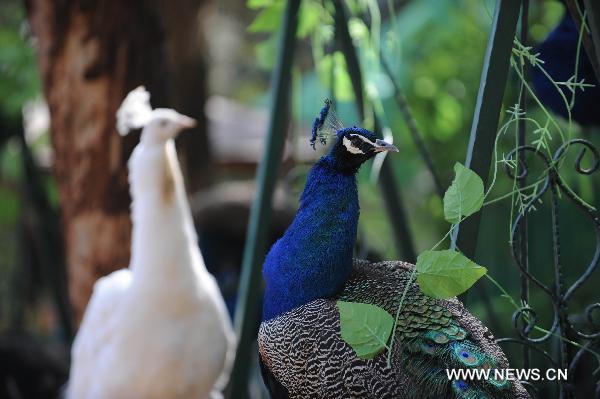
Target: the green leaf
pixel 310 18
pixel 366 328
pixel 464 197
pixel 447 273
pixel 268 20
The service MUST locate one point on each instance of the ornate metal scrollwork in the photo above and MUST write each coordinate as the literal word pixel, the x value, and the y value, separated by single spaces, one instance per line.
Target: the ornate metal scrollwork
pixel 525 319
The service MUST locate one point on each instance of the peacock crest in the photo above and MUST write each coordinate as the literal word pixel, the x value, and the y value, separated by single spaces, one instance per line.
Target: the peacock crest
pixel 326 124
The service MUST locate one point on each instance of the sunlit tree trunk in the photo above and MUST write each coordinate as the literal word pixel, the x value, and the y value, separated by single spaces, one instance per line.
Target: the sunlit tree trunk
pixel 90 54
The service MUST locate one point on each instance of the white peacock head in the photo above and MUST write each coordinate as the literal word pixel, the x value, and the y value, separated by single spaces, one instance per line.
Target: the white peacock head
pixel 159 125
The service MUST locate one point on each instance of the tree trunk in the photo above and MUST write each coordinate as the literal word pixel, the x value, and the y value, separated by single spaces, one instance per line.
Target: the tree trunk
pixel 90 54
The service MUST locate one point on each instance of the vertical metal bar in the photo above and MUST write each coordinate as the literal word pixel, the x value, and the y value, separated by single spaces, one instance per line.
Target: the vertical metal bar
pixel 487 111
pixel 591 40
pixel 391 194
pixel 522 133
pixel 45 237
pixel 592 47
pixel 344 41
pixel 593 15
pixel 247 315
pixel 566 389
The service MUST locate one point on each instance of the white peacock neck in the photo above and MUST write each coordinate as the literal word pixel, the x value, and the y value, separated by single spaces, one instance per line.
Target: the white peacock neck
pixel 164 240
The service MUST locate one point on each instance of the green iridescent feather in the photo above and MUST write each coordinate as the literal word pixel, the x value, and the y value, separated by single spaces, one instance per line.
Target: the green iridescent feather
pixel 433 341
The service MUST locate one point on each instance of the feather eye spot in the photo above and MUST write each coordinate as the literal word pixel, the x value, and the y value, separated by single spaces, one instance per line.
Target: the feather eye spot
pixel 461 385
pixel 486 366
pixel 468 358
pixel 498 383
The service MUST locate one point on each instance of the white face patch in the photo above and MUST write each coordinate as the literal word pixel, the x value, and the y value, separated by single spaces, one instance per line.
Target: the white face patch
pixel 355 150
pixel 351 148
pixel 363 138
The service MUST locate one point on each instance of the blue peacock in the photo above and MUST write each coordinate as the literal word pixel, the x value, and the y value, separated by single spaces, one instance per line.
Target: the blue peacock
pixel 559 53
pixel 302 354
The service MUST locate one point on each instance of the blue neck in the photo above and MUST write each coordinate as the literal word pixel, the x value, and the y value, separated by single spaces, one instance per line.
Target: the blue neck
pixel 313 259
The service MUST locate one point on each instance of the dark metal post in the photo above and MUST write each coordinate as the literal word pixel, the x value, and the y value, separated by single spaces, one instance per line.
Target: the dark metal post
pixel 522 135
pixel 45 236
pixel 593 14
pixel 391 194
pixel 591 40
pixel 487 111
pixel 247 315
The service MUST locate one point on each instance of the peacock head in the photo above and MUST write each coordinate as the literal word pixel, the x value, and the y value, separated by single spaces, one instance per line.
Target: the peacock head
pixel 166 124
pixel 159 125
pixel 354 146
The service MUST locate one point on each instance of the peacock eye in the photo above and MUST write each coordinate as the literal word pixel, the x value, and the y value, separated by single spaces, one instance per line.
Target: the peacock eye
pixel 163 123
pixel 353 145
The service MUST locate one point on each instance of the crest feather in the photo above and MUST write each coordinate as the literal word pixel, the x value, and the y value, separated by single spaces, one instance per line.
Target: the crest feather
pixel 135 111
pixel 326 124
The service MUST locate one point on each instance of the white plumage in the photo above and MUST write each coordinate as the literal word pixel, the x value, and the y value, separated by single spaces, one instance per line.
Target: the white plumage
pixel 158 329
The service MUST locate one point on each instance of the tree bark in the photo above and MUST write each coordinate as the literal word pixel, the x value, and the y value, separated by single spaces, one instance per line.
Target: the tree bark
pixel 90 54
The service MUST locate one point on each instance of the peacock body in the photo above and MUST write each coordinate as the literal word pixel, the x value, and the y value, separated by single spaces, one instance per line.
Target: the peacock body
pixel 559 53
pixel 159 328
pixel 304 356
pixel 310 268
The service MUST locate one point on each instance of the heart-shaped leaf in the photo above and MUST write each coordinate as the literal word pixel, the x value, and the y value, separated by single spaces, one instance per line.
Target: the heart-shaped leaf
pixel 464 197
pixel 366 328
pixel 445 274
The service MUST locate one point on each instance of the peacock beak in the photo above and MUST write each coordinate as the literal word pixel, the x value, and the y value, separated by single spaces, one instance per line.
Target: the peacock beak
pixel 186 122
pixel 381 146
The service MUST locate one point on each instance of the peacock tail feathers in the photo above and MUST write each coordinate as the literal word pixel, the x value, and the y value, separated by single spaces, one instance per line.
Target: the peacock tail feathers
pixel 303 349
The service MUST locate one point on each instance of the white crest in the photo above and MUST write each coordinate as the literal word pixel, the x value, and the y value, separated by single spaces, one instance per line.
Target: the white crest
pixel 135 111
